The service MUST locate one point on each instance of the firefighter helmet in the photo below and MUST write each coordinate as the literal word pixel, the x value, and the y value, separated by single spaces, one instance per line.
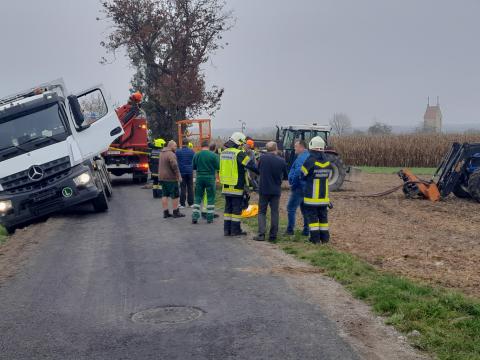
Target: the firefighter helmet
pixel 238 138
pixel 317 143
pixel 159 143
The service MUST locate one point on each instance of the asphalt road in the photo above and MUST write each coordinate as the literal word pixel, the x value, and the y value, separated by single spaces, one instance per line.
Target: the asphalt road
pixel 75 296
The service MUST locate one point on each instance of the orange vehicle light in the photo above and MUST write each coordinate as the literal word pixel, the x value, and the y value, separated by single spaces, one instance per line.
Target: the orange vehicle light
pixel 143 165
pixel 143 126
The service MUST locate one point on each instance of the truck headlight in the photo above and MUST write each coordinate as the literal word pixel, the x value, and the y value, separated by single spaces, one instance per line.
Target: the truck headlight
pixel 82 179
pixel 5 206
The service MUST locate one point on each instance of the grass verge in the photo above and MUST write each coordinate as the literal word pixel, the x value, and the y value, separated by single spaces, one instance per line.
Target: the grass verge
pixel 394 170
pixel 3 235
pixel 436 320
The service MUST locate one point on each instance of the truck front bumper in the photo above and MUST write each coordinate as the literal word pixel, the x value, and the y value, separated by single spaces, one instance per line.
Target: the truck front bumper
pixel 27 206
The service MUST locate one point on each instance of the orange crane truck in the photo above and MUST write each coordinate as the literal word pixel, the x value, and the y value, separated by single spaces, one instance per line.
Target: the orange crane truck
pixel 128 154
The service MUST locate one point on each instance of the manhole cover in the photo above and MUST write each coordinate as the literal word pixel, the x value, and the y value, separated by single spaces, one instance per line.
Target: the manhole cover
pixel 168 315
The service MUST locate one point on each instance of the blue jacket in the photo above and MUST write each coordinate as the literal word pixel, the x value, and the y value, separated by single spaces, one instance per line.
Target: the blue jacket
pixel 185 160
pixel 294 176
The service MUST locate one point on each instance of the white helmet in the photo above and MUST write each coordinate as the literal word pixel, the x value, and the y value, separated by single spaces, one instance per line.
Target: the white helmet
pixel 238 138
pixel 317 143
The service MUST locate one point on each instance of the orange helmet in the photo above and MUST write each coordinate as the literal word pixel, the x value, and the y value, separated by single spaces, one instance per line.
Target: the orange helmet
pixel 251 143
pixel 137 96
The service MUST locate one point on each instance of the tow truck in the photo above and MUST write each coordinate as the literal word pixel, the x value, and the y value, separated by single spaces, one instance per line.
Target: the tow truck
pixel 128 154
pixel 50 146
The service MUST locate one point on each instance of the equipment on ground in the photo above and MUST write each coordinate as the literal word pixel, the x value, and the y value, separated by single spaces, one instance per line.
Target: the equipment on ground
pixel 50 143
pixel 128 154
pixel 286 138
pixel 195 130
pixel 459 172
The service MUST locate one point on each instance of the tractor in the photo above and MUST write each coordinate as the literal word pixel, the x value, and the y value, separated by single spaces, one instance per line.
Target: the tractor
pixel 459 172
pixel 286 137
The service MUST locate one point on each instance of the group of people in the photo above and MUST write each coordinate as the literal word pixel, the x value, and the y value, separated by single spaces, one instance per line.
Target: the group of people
pixel 240 170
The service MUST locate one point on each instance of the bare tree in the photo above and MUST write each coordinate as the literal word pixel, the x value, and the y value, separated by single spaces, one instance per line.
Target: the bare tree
pixel 379 128
pixel 341 124
pixel 167 42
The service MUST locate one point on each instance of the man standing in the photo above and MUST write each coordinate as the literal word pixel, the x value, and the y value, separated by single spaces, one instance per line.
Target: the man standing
pixel 296 188
pixel 272 169
pixel 316 171
pixel 169 176
pixel 185 158
pixel 153 157
pixel 233 177
pixel 206 163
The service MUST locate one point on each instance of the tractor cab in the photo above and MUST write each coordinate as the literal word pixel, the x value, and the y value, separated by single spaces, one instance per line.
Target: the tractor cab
pixel 287 136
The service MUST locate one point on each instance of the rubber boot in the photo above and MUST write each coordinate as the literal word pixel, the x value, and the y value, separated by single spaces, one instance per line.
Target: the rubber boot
pixel 177 214
pixel 166 214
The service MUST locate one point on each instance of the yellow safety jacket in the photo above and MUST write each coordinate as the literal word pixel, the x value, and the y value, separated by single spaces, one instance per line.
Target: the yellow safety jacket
pixel 232 171
pixel 316 171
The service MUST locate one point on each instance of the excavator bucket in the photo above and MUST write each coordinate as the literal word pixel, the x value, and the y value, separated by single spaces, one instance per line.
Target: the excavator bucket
pixel 415 187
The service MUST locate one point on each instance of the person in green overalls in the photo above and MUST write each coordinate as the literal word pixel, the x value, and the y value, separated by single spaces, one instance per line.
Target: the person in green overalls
pixel 206 164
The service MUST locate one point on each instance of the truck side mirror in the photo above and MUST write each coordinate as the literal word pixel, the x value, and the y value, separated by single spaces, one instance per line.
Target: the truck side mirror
pixel 76 110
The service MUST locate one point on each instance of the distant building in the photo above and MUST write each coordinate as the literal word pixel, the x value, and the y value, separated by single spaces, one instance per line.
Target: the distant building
pixel 432 120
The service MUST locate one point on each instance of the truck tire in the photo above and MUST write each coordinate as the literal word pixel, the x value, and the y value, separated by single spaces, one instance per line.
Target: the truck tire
pixel 461 192
pixel 107 184
pixel 338 174
pixel 100 203
pixel 10 229
pixel 474 185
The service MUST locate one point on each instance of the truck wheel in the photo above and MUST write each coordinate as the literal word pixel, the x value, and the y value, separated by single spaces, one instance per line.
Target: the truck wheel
pixel 474 185
pixel 338 174
pixel 100 203
pixel 461 192
pixel 143 179
pixel 10 229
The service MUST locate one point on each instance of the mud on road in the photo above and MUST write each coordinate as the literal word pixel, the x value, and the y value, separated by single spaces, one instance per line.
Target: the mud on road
pixel 434 242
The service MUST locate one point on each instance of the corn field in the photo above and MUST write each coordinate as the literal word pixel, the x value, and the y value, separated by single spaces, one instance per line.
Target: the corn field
pixel 407 150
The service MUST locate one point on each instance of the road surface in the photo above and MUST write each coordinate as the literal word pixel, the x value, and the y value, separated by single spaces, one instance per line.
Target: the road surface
pixel 78 293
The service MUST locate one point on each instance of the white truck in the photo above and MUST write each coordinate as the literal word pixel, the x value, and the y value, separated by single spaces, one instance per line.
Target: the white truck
pixel 50 151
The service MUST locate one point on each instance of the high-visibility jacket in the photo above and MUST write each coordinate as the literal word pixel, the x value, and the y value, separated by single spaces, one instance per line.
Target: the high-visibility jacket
pixel 153 160
pixel 232 171
pixel 316 170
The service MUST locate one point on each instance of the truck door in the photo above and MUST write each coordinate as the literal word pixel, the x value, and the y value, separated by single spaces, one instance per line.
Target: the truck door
pixel 101 126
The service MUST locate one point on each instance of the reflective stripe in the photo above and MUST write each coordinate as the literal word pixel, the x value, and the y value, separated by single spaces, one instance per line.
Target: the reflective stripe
pixel 196 211
pixel 231 190
pixel 246 160
pixel 196 206
pixel 322 165
pixel 316 188
pixel 310 201
pixel 227 217
pixel 304 170
pixel 318 226
pixel 235 216
pixel 210 206
pixel 210 211
pixel 236 220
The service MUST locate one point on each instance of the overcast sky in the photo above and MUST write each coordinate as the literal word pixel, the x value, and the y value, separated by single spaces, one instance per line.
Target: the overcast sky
pixel 287 62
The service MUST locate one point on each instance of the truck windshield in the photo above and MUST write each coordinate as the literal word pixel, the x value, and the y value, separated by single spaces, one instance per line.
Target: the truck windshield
pixel 34 129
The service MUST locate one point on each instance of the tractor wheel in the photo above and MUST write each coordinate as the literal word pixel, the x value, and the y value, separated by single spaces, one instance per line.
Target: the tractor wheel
pixel 338 174
pixel 461 192
pixel 474 185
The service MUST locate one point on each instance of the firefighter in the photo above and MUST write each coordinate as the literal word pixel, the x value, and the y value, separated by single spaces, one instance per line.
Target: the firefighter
pixel 158 145
pixel 234 179
pixel 316 171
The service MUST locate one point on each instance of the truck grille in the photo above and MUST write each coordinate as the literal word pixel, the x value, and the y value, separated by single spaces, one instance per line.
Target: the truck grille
pixel 53 171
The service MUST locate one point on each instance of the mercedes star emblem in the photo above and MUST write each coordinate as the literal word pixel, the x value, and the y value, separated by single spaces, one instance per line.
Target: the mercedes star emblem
pixel 35 173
